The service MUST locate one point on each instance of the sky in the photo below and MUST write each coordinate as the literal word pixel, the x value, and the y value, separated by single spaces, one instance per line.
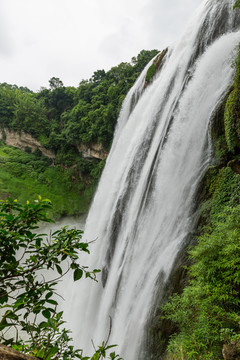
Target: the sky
pixel 70 39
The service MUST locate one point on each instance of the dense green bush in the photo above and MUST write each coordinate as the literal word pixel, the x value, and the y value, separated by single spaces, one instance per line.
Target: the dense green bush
pixel 28 300
pixel 232 112
pixel 207 313
pixel 25 175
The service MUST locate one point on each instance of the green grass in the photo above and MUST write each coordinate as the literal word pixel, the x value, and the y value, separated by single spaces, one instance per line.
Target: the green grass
pixel 25 176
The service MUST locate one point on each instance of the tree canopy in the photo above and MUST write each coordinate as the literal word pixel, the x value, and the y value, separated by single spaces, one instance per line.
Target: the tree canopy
pixel 62 117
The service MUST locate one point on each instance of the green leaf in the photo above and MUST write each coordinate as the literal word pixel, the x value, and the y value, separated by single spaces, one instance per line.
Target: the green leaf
pixel 96 356
pixel 3 296
pixel 50 294
pixel 59 269
pixel 53 302
pixel 78 273
pixel 53 351
pixel 43 325
pixel 40 353
pixel 38 242
pixel 46 313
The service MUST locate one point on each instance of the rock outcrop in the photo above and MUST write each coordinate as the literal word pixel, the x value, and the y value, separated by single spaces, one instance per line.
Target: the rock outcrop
pixel 231 351
pixel 22 140
pixel 7 353
pixel 92 151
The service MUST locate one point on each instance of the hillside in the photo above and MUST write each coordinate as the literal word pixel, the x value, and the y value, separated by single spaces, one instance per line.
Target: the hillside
pixel 64 135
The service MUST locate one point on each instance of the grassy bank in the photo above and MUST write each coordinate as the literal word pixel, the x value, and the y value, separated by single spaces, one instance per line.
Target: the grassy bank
pixel 26 175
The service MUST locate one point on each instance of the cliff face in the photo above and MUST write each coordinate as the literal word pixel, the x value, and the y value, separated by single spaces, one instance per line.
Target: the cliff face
pixel 95 151
pixel 22 140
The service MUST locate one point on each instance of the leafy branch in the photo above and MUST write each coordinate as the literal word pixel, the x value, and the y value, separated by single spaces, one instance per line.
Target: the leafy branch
pixel 26 297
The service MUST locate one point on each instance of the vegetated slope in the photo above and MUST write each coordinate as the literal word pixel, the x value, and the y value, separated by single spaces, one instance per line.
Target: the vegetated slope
pixel 75 124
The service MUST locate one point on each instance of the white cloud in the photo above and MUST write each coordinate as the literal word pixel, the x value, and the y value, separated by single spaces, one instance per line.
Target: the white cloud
pixel 71 39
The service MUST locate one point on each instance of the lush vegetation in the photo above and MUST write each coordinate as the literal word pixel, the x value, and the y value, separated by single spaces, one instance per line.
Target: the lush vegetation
pixel 62 118
pixel 206 314
pixel 151 72
pixel 237 4
pixel 24 175
pixel 232 112
pixel 30 320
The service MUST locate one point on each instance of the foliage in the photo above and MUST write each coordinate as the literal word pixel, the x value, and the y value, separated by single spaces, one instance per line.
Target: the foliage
pixel 61 118
pixel 232 112
pixel 24 175
pixel 151 72
pixel 208 311
pixel 55 83
pixel 65 116
pixel 28 301
pixel 225 190
pixel 237 4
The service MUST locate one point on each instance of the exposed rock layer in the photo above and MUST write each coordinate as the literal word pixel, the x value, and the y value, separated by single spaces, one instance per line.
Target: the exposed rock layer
pixel 231 351
pixel 92 151
pixel 22 140
pixel 7 353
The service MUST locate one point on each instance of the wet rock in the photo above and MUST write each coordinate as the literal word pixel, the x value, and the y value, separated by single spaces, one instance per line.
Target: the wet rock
pixel 92 151
pixel 7 353
pixel 231 351
pixel 235 165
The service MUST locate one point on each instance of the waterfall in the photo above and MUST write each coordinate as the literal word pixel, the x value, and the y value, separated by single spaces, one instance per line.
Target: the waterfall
pixel 142 211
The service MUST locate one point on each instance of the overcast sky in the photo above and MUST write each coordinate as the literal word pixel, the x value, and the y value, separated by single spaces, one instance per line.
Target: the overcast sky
pixel 71 39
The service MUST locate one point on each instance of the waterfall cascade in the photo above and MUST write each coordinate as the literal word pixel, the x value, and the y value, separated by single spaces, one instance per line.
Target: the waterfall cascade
pixel 142 211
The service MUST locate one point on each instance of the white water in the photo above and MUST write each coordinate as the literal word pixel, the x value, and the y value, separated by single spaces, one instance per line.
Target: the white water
pixel 142 211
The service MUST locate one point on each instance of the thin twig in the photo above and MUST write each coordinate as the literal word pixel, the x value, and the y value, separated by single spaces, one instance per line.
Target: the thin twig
pixel 110 330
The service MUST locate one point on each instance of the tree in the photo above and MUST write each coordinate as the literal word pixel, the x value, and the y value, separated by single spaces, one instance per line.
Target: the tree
pixel 30 114
pixel 28 301
pixel 55 83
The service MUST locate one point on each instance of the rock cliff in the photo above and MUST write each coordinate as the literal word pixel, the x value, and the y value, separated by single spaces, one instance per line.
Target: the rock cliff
pixel 22 140
pixel 93 151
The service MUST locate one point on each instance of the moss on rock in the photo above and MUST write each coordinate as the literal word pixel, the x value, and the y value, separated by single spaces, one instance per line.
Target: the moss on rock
pixel 232 112
pixel 151 72
pixel 155 67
